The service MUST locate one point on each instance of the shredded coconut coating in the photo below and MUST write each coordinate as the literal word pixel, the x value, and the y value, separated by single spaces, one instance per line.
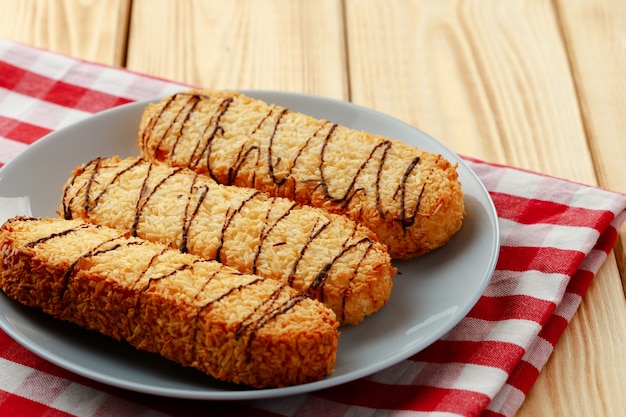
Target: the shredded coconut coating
pixel 324 255
pixel 410 198
pixel 236 327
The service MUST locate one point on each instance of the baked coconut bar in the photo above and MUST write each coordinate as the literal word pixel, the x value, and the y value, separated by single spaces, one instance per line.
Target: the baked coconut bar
pixel 326 256
pixel 412 199
pixel 236 327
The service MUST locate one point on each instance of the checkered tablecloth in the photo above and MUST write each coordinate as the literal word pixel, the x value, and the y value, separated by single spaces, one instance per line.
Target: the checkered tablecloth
pixel 555 235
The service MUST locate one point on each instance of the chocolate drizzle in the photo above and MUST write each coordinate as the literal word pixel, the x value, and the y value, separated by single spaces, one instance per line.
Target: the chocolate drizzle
pixel 54 235
pixel 267 308
pixel 386 146
pixel 203 148
pixel 146 195
pixel 188 220
pixel 270 161
pixel 315 232
pixel 316 289
pixel 196 200
pixel 65 233
pixel 267 230
pixel 285 185
pixel 408 220
pixel 243 156
pixel 88 206
pixel 229 218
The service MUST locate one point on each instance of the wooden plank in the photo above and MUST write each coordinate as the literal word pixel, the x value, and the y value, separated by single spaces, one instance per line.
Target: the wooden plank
pixel 491 79
pixel 487 78
pixel 278 44
pixel 595 35
pixel 92 30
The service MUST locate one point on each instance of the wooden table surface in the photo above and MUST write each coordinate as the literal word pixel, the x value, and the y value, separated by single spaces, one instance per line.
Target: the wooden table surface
pixel 537 84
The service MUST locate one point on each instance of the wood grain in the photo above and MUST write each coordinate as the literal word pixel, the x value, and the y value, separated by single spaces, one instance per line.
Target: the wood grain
pixel 491 79
pixel 466 73
pixel 94 30
pixel 282 45
pixel 592 348
pixel 595 36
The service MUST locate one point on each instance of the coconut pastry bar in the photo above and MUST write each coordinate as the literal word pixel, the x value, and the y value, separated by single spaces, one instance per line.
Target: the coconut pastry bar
pixel 326 256
pixel 236 327
pixel 412 199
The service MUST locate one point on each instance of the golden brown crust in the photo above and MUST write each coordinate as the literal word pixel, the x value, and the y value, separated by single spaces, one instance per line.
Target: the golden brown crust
pixel 324 255
pixel 236 327
pixel 410 198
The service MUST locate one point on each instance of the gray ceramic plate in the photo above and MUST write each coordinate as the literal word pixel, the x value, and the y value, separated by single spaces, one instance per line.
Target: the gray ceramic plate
pixel 431 294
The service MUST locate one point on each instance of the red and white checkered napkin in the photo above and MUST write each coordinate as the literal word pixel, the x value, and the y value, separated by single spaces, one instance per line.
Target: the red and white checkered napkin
pixel 555 235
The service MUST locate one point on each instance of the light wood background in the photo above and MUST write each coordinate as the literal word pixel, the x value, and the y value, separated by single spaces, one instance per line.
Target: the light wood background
pixel 536 84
